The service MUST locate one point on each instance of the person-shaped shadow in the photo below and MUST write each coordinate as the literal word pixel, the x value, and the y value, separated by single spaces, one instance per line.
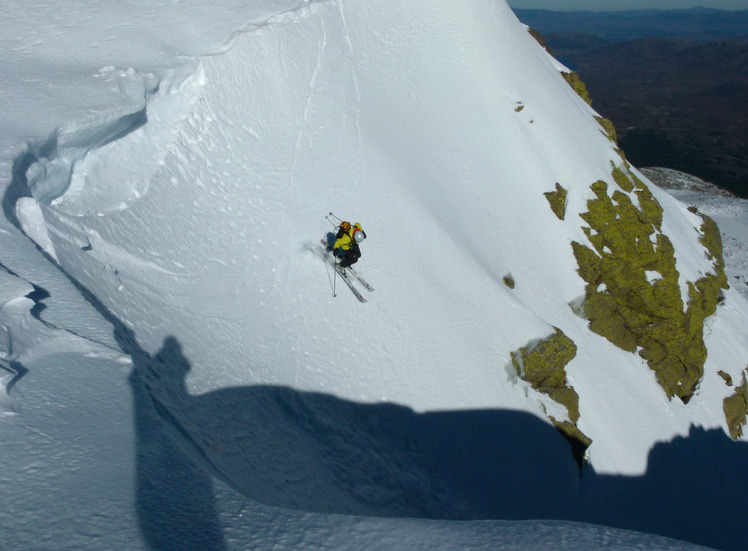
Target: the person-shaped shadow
pixel 316 452
pixel 174 499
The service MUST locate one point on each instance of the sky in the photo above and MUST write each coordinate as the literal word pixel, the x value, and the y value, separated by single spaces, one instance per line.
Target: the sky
pixel 615 5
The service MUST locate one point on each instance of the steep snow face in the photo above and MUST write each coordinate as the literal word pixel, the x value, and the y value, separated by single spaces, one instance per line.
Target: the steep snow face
pixel 195 212
pixel 274 133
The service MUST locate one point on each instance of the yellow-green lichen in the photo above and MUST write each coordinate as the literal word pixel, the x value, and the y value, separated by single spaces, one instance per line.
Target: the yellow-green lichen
pixel 712 241
pixel 543 364
pixel 621 178
pixel 557 200
pixel 725 377
pixel 577 439
pixel 633 295
pixel 540 39
pixel 736 409
pixel 609 127
pixel 508 281
pixel 579 87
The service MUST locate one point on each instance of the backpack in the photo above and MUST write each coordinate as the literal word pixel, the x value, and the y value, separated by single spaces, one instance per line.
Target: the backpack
pixel 344 227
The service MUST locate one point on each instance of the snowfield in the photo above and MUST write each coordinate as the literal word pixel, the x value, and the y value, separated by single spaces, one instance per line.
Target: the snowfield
pixel 182 370
pixel 726 209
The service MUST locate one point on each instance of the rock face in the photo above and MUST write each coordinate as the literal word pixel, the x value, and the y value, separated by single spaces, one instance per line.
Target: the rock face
pixel 557 201
pixel 542 364
pixel 736 408
pixel 633 296
pixel 578 85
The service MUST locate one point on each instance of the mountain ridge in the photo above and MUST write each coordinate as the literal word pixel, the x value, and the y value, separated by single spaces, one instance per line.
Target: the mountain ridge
pixel 699 24
pixel 675 92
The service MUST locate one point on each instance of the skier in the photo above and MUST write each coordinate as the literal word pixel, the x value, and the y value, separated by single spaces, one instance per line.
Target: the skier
pixel 346 244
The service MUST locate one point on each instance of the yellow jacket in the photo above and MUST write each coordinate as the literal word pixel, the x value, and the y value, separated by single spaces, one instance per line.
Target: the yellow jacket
pixel 346 240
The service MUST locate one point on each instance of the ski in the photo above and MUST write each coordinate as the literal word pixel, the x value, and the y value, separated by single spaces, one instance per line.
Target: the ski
pixel 344 276
pixel 361 280
pixel 350 270
pixel 352 287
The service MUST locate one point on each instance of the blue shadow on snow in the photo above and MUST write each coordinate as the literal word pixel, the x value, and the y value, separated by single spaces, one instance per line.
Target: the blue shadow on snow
pixel 316 452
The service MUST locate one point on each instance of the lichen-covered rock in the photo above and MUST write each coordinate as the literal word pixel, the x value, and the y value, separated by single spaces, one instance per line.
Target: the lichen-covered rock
pixel 543 364
pixel 622 180
pixel 509 281
pixel 712 241
pixel 540 38
pixel 609 127
pixel 633 297
pixel 557 200
pixel 577 439
pixel 736 409
pixel 578 85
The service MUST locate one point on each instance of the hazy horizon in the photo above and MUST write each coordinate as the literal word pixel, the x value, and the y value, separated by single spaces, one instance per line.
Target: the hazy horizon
pixel 623 5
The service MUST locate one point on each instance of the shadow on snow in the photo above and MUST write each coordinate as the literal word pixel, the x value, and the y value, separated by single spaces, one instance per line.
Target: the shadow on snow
pixel 315 452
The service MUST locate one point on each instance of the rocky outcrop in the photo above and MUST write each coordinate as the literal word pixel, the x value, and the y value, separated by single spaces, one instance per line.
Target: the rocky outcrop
pixel 578 85
pixel 557 201
pixel 542 363
pixel 633 296
pixel 735 407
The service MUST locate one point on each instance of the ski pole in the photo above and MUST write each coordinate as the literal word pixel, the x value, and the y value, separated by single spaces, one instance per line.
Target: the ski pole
pixel 334 225
pixel 334 278
pixel 336 218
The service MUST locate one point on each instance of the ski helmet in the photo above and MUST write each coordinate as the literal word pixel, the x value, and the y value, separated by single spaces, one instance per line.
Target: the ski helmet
pixel 358 236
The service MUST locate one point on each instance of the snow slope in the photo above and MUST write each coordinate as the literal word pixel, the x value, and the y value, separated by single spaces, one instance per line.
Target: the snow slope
pixel 256 159
pixel 727 210
pixel 185 207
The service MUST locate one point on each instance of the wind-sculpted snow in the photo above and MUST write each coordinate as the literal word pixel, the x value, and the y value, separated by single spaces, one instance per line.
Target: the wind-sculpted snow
pixel 271 137
pixel 87 168
pixel 187 217
pixel 192 211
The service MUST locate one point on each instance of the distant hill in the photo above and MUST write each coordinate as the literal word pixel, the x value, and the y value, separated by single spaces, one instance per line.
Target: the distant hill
pixel 677 97
pixel 698 24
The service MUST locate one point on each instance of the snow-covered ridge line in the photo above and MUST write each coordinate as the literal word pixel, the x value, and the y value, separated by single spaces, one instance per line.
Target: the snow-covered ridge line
pixel 283 16
pixel 70 162
pixel 80 168
pixel 72 140
pixel 68 167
